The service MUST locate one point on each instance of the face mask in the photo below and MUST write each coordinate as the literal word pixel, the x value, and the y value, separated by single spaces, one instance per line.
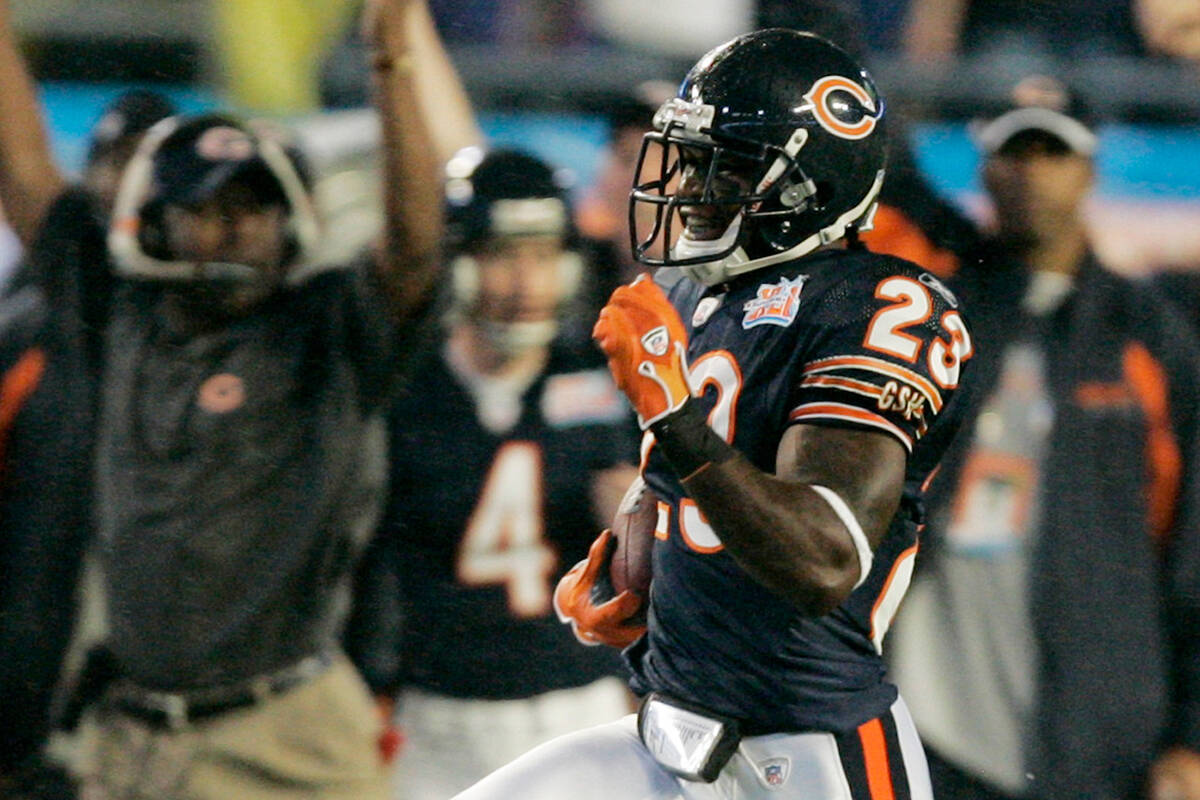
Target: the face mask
pixel 515 338
pixel 712 272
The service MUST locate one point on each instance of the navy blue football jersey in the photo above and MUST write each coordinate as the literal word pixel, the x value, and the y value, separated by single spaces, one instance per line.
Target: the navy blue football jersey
pixel 844 338
pixel 484 524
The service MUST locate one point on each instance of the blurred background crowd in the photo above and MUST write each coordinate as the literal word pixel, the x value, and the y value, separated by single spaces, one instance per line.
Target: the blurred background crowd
pixel 574 82
pixel 545 74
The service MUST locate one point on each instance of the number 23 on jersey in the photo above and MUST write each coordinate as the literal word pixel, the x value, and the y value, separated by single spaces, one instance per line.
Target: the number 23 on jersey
pixel 912 306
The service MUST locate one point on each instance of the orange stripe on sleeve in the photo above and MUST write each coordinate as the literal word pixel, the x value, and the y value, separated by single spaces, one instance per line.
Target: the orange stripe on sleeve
pixel 829 381
pixel 840 411
pixel 878 365
pixel 1164 463
pixel 879 773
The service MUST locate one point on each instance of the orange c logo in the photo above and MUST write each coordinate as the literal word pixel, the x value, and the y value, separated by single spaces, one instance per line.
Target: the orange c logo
pixel 819 96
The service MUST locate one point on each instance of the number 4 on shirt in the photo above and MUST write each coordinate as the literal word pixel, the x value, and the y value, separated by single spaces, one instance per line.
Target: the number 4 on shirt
pixel 504 543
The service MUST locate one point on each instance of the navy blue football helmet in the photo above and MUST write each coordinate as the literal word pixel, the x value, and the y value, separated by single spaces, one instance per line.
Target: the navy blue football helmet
pixel 774 146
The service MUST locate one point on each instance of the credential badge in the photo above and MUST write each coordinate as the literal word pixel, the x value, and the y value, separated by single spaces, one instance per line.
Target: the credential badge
pixel 775 304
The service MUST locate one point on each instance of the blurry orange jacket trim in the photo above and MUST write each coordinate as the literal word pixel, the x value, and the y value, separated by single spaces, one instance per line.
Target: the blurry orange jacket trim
pixel 15 387
pixel 895 234
pixel 1164 463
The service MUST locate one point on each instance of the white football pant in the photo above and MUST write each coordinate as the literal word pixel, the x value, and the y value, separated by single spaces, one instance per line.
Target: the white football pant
pixel 883 758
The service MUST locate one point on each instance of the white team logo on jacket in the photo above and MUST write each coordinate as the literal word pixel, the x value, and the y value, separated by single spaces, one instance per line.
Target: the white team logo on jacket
pixel 775 303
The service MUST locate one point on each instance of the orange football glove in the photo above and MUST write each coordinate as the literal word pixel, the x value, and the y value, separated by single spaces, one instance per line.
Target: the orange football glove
pixel 592 624
pixel 646 344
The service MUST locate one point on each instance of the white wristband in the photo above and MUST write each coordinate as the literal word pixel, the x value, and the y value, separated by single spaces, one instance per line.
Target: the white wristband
pixel 856 532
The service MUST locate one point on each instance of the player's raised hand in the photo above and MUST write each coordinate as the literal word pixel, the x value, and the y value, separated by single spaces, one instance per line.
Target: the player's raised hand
pixel 381 19
pixel 646 344
pixel 607 623
pixel 1175 776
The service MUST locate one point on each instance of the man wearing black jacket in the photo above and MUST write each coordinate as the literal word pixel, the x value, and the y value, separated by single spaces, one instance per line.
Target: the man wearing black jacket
pixel 1050 645
pixel 50 343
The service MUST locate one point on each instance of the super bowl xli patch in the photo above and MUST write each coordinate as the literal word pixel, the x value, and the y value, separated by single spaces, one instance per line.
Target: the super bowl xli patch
pixel 775 303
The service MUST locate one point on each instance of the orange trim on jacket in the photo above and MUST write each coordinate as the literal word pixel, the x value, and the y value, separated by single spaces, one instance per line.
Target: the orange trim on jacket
pixel 895 234
pixel 1164 463
pixel 879 773
pixel 17 384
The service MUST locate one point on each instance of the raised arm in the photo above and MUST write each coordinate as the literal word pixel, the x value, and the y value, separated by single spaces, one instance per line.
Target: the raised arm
pixel 933 29
pixel 29 178
pixel 412 192
pixel 444 101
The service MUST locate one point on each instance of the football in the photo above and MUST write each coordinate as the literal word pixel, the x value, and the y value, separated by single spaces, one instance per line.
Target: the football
pixel 633 529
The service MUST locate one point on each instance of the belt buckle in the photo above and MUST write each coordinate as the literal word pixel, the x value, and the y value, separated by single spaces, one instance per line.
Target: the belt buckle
pixel 686 741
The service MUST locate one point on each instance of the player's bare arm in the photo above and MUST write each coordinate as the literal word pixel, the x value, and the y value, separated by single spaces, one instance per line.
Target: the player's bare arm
pixel 29 178
pixel 809 545
pixel 782 531
pixel 411 254
pixel 449 116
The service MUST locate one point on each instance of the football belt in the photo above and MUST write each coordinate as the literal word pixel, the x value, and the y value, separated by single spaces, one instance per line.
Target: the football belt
pixel 686 741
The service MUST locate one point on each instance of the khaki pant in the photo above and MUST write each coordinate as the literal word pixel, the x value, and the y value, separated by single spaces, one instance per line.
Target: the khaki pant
pixel 318 741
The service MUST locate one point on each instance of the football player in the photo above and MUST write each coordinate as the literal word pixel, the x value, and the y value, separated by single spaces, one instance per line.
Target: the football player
pixel 796 390
pixel 505 456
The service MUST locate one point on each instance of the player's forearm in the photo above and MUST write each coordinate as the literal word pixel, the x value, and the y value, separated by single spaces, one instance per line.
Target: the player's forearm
pixel 29 179
pixel 411 170
pixel 780 531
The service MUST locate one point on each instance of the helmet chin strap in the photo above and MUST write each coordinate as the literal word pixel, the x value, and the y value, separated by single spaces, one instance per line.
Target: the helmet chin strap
pixel 517 338
pixel 711 272
pixel 738 263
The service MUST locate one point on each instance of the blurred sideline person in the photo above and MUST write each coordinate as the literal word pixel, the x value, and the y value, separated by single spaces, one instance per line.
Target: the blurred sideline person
pixel 912 221
pixel 51 327
pixel 1050 645
pixel 1013 33
pixel 603 213
pixel 505 454
pixel 796 390
pixel 115 138
pixel 238 387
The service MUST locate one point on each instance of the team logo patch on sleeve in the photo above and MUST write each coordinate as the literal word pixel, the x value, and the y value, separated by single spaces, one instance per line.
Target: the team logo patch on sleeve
pixel 776 303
